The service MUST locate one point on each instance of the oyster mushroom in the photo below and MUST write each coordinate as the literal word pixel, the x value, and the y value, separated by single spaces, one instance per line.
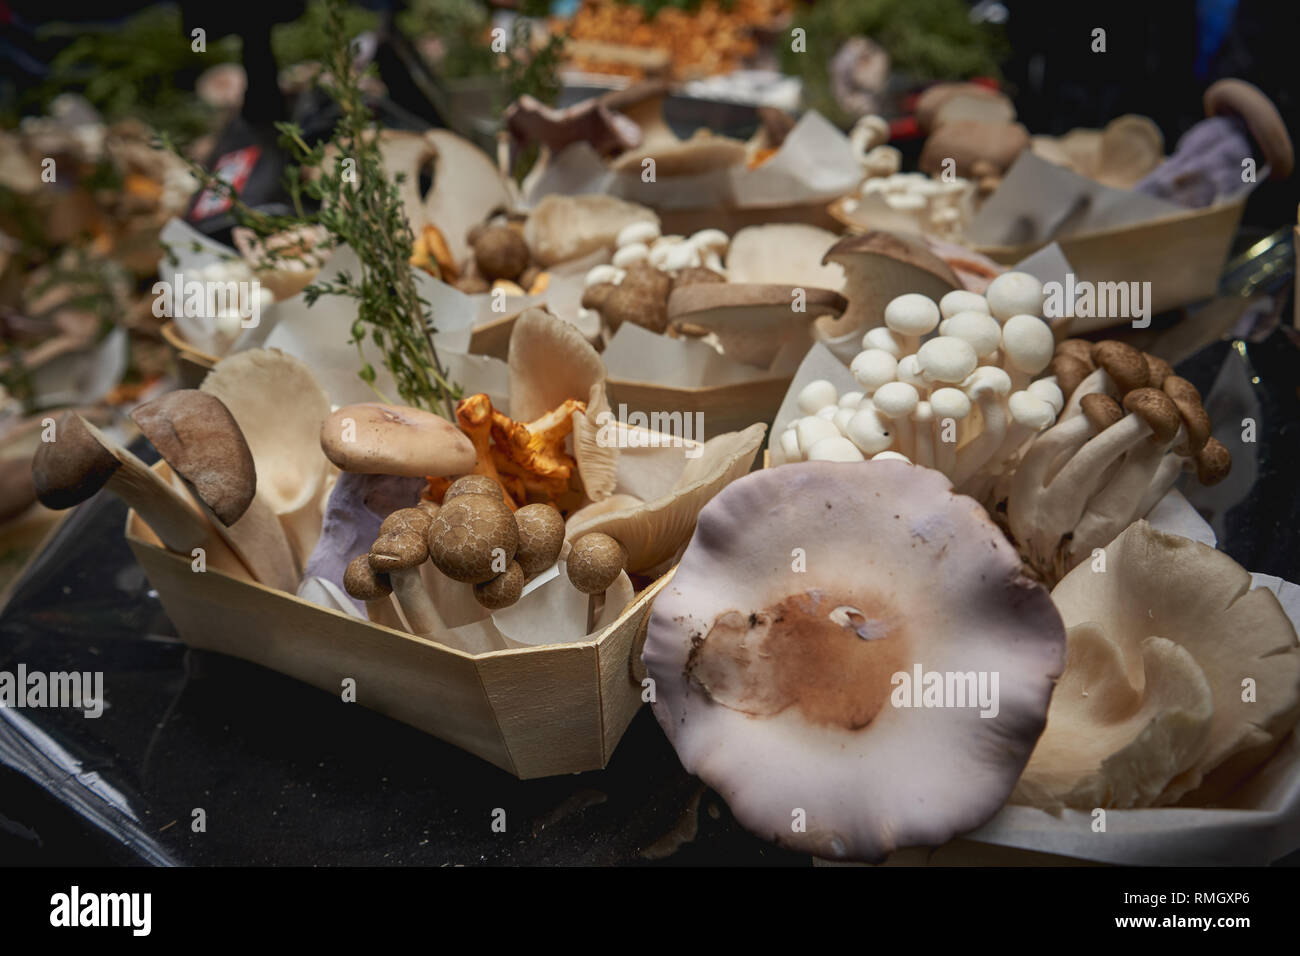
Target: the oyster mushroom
pixel 198 437
pixel 878 268
pixel 376 439
pixel 291 470
pixel 1151 708
pixel 781 687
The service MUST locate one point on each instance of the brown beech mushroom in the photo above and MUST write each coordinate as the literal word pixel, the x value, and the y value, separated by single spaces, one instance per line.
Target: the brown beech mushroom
pixel 81 460
pixel 500 253
pixel 541 537
pixel 376 439
pixel 843 700
pixel 474 485
pixel 399 554
pixel 473 538
pixel 967 142
pixel 364 583
pixel 595 562
pixel 502 590
pixel 199 439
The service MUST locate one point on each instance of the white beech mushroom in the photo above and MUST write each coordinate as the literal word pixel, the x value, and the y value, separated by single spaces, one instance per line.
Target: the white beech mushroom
pixel 1150 709
pixel 1014 293
pixel 780 686
pixel 199 439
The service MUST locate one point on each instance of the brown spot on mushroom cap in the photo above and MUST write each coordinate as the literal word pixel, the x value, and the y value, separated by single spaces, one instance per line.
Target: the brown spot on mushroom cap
pixel 595 561
pixel 1195 419
pixel 795 654
pixel 541 536
pixel 1156 409
pixel 1069 372
pixel 1101 410
pixel 407 519
pixel 1213 462
pixel 362 581
pixel 199 438
pixel 1157 370
pixel 73 467
pixel 502 590
pixel 1080 349
pixel 376 439
pixel 1123 363
pixel 398 550
pixel 474 485
pixel 468 534
pixel 500 252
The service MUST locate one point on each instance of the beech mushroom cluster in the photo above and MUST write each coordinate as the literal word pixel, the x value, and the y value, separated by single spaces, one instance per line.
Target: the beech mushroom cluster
pixel 963 401
pixel 634 286
pixel 1129 429
pixel 935 207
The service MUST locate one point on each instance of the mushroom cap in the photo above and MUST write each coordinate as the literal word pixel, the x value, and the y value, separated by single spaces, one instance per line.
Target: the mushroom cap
pixel 882 337
pixel 398 550
pixel 1123 363
pixel 1157 410
pixel 500 252
pixel 1080 349
pixel 1213 462
pixel 503 590
pixel 1014 293
pixel 376 439
pixel 961 300
pixel 541 536
pixel 414 519
pixel 1069 371
pixel 872 368
pixel 1048 391
pixel 474 485
pixel 775 685
pixel 1188 400
pixel 946 358
pixel 980 329
pixel 816 395
pixel 896 399
pixel 1027 343
pixel 1158 370
pixel 74 466
pixel 595 562
pixel 912 314
pixel 1101 410
pixel 1026 409
pixel 835 448
pixel 362 582
pixel 468 534
pixel 198 437
pixel 950 403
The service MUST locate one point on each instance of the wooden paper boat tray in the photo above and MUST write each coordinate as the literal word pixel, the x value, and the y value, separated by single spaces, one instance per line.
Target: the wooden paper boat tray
pixel 534 711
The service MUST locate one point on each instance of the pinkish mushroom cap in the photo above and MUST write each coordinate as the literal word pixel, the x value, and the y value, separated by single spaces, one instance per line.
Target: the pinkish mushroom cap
pixel 782 688
pixel 376 439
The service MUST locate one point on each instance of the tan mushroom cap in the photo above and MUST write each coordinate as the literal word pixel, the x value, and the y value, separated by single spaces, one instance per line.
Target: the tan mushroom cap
pixel 502 590
pixel 1157 370
pixel 1156 409
pixel 471 533
pixel 1080 349
pixel 595 562
pixel 1101 410
pixel 73 467
pixel 1213 462
pixel 1070 371
pixel 1123 363
pixel 376 439
pixel 474 485
pixel 414 519
pixel 362 582
pixel 199 438
pixel 1188 400
pixel 541 536
pixel 398 550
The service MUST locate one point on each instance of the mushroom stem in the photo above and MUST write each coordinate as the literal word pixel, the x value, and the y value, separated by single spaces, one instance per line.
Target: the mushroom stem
pixel 172 518
pixel 923 435
pixel 1096 381
pixel 1115 506
pixel 422 618
pixel 259 541
pixel 1167 472
pixel 988 388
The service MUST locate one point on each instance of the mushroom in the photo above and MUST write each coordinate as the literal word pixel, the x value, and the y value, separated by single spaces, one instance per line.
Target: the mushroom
pixel 474 485
pixel 399 554
pixel 758 664
pixel 376 439
pixel 500 253
pixel 595 561
pixel 363 583
pixel 1150 709
pixel 81 460
pixel 790 254
pixel 503 590
pixel 291 470
pixel 561 228
pixel 879 267
pixel 970 142
pixel 199 439
pixel 541 537
pixel 473 538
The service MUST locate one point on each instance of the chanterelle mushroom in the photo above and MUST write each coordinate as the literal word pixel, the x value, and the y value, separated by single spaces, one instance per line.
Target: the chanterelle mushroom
pixel 808 598
pixel 1179 680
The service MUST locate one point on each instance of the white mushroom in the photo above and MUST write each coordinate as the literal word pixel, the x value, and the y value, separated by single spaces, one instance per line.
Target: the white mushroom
pixel 837 448
pixel 872 368
pixel 896 401
pixel 946 359
pixel 816 395
pixel 1027 347
pixel 1014 293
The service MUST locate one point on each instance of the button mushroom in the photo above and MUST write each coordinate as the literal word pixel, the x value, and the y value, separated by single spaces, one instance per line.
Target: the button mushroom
pixel 781 685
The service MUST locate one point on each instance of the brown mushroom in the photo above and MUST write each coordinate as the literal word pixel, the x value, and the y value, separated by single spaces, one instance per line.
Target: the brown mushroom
pixel 502 590
pixel 500 252
pixel 473 538
pixel 541 536
pixel 1125 365
pixel 399 554
pixel 595 562
pixel 376 439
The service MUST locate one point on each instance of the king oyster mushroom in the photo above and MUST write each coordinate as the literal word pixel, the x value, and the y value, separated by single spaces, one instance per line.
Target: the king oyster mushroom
pixel 1153 706
pixel 778 679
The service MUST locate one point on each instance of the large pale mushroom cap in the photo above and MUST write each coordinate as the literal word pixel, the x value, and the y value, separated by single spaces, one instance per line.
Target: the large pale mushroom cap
pixel 376 439
pixel 1134 739
pixel 775 676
